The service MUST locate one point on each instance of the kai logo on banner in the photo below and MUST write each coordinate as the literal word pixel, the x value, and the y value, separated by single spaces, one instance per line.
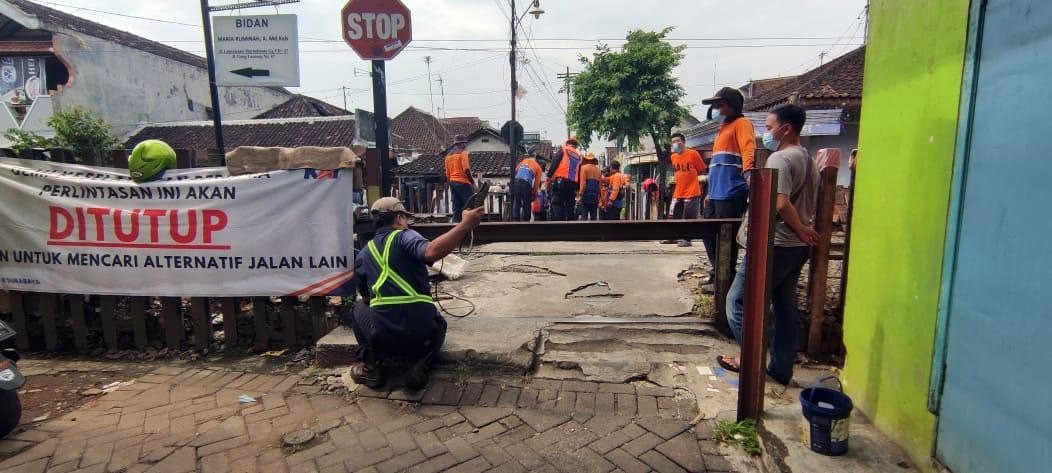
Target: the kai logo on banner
pixel 320 174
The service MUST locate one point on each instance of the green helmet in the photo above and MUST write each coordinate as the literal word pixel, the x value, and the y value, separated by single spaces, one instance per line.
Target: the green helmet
pixel 149 159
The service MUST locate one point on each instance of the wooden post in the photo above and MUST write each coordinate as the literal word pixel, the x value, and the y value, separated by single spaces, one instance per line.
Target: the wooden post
pixel 119 158
pixel 18 319
pixel 49 308
pixel 759 256
pixel 80 326
pixel 259 311
pixel 202 317
pixel 172 318
pixel 137 312
pixel 288 322
pixel 108 312
pixel 819 268
pixel 317 317
pixel 231 307
pixel 184 158
pixel 725 262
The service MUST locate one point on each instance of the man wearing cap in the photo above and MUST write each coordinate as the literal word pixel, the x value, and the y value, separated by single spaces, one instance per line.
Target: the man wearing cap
pixel 458 173
pixel 733 155
pixel 396 318
pixel 524 188
pixel 563 177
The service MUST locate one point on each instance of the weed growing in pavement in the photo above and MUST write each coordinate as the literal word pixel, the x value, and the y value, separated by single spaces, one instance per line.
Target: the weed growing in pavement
pixel 461 374
pixel 739 433
pixel 705 305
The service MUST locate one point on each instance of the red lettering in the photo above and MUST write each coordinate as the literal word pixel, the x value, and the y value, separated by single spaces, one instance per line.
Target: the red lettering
pixel 82 233
pixel 98 212
pixel 119 230
pixel 67 219
pixel 191 231
pixel 155 216
pixel 214 221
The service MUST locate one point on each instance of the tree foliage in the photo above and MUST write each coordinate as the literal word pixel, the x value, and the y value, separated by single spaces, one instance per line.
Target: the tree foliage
pixel 629 94
pixel 77 129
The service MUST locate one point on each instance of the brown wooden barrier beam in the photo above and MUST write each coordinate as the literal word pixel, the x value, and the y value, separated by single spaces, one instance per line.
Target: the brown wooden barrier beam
pixel 819 268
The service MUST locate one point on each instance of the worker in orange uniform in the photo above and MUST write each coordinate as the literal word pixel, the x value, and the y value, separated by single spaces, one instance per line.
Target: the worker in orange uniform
pixel 687 164
pixel 588 191
pixel 733 156
pixel 458 173
pixel 615 199
pixel 562 174
pixel 524 188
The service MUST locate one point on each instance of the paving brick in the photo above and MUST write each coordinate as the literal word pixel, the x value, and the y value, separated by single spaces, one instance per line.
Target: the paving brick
pixel 542 384
pixel 400 462
pixel 168 370
pixel 683 450
pixel 515 435
pixel 482 416
pixel 472 393
pixel 664 428
pixel 493 453
pixel 626 405
pixel 462 429
pixel 477 465
pixel 398 423
pixel 550 437
pixel 91 469
pixel 224 445
pixel 435 465
pixel 443 434
pixel 180 461
pixel 485 433
pixel 660 464
pixel 68 450
pixel 453 418
pixel 580 386
pixel 642 444
pixel 378 411
pixel 358 463
pixel 308 466
pixel 430 445
pixel 401 441
pixel 709 447
pixel 373 439
pixel 434 391
pixel 96 454
pixel 628 463
pixel 545 396
pixel 566 401
pixel 585 403
pixel 526 457
pixel 451 395
pixel 606 402
pixel 603 425
pixel 610 442
pixel 703 430
pixel 509 397
pixel 576 460
pixel 379 393
pixel 511 422
pixel 34 466
pixel 666 403
pixel 510 466
pixel 541 421
pixel 657 391
pixel 716 463
pixel 617 388
pixel 60 468
pixel 407 395
pixel 647 406
pixel 268 414
pixel 229 428
pixel 430 425
pixel 461 449
pixel 124 456
pixel 286 384
pixel 527 398
pixel 217 463
pixel 490 395
pixel 344 437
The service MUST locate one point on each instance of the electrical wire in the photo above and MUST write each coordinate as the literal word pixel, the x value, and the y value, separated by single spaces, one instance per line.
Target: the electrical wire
pixel 437 294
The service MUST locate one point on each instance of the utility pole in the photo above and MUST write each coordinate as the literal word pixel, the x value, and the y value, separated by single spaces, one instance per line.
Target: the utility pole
pixel 213 89
pixel 430 91
pixel 344 88
pixel 567 77
pixel 379 74
pixel 442 88
pixel 513 147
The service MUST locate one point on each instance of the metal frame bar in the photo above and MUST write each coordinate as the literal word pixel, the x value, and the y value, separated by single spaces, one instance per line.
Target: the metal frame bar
pixel 616 230
pixel 760 255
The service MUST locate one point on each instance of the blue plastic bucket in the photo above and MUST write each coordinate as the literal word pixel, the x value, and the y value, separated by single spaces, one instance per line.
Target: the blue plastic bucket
pixel 828 412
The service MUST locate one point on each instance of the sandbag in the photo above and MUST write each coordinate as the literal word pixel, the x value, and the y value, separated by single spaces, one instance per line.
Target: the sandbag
pixel 255 159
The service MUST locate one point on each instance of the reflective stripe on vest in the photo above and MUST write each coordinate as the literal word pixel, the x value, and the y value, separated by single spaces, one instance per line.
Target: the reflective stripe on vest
pixel 386 273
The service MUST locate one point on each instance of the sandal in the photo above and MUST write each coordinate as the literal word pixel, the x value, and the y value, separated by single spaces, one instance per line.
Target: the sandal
pixel 366 375
pixel 727 365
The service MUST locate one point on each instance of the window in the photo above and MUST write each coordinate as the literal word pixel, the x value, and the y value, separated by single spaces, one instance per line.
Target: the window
pixel 208 113
pixel 190 104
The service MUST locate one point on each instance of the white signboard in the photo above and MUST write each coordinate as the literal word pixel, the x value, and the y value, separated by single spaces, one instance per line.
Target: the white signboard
pixel 256 50
pixel 195 232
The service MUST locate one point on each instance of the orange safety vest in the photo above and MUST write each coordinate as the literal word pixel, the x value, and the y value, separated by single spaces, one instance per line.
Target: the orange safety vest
pixel 570 165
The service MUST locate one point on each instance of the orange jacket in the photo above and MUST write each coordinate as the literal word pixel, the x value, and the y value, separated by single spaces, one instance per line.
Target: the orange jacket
pixel 569 163
pixel 616 181
pixel 458 167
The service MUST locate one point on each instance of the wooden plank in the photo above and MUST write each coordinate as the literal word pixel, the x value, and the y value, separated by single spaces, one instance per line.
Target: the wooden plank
pixel 231 307
pixel 18 319
pixel 819 268
pixel 80 326
pixel 172 319
pixel 184 158
pixel 202 317
pixel 48 313
pixel 317 317
pixel 137 310
pixel 108 313
pixel 288 322
pixel 725 262
pixel 119 158
pixel 259 312
pixel 760 256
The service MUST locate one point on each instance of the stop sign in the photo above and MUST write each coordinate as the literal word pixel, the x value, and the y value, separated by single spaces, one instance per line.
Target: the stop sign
pixel 376 29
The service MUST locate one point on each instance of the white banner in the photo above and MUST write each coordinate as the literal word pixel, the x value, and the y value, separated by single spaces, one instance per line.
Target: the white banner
pixel 196 232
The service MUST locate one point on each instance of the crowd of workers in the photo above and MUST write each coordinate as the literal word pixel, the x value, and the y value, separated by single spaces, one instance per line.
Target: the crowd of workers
pixel 396 316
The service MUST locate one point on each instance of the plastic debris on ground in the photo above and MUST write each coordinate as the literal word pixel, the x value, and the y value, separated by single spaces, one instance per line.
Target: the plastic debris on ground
pixel 245 399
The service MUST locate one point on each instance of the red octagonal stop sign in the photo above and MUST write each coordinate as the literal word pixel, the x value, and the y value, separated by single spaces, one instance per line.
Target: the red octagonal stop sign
pixel 376 29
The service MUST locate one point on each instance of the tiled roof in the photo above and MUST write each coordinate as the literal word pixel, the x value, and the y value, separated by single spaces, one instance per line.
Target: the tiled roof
pixel 333 131
pixel 301 106
pixel 762 86
pixel 490 164
pixel 838 80
pixel 462 125
pixel 420 131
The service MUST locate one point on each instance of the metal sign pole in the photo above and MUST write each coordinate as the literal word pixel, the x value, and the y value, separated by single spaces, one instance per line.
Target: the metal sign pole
pixel 380 118
pixel 217 119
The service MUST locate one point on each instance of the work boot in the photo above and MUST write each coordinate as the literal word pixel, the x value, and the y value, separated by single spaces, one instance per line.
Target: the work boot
pixel 417 375
pixel 367 374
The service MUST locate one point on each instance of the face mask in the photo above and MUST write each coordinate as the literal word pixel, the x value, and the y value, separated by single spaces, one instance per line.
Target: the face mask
pixel 677 148
pixel 770 142
pixel 716 116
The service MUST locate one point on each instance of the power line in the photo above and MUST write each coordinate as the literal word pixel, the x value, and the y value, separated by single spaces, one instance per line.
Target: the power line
pixel 123 15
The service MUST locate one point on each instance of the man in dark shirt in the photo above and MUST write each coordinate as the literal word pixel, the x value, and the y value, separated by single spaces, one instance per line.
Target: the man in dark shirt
pixel 397 317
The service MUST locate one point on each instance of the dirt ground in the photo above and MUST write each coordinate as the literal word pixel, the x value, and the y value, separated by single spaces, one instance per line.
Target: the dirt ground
pixel 48 396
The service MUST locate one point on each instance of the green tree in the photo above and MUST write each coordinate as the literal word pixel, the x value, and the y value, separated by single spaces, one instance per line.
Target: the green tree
pixel 77 129
pixel 629 94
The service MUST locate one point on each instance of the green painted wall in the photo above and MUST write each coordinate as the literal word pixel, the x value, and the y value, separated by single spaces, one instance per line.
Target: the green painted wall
pixel 914 64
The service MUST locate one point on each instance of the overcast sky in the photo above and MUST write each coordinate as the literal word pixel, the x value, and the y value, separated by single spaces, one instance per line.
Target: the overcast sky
pixel 784 38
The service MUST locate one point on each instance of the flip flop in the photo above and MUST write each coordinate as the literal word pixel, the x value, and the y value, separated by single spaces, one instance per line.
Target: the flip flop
pixel 726 364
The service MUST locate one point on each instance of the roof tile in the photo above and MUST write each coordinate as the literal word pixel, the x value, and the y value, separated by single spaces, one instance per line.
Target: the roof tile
pixel 269 133
pixel 840 78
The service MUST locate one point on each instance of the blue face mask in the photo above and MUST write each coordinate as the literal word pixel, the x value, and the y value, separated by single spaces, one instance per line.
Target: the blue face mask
pixel 716 116
pixel 770 142
pixel 677 148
